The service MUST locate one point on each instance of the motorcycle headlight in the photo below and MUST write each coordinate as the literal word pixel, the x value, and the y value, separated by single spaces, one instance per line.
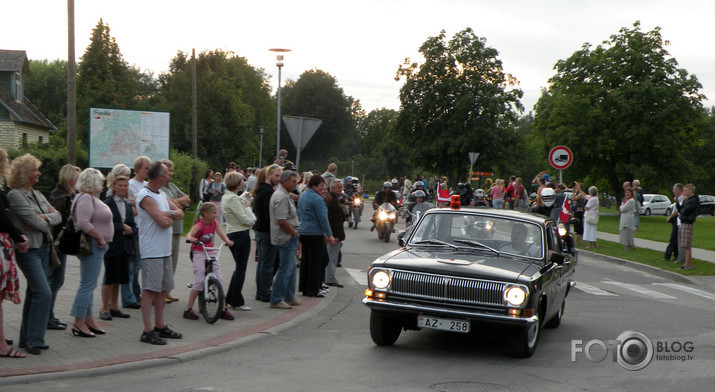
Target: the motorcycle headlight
pixel 488 225
pixel 562 230
pixel 380 280
pixel 392 216
pixel 515 295
pixel 382 215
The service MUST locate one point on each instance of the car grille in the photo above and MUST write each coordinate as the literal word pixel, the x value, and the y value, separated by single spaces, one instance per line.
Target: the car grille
pixel 428 286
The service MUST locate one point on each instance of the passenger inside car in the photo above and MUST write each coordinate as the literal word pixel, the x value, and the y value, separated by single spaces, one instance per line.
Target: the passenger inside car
pixel 519 245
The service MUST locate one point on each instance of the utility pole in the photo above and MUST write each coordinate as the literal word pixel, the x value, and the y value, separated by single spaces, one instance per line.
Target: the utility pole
pixel 71 88
pixel 194 131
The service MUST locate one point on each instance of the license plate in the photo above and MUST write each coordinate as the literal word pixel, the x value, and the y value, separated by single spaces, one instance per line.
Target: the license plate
pixel 452 325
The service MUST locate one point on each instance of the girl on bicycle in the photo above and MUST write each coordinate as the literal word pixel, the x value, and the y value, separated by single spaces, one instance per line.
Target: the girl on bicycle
pixel 203 230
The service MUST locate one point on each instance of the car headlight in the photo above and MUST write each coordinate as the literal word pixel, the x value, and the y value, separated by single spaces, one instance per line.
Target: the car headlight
pixel 562 230
pixel 515 295
pixel 488 225
pixel 382 215
pixel 380 280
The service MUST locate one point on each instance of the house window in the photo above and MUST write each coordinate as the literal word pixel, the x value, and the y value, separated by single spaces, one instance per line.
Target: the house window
pixel 24 138
pixel 18 87
pixel 40 140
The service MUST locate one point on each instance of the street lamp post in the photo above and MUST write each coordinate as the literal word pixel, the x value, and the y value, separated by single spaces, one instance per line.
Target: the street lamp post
pixel 279 64
pixel 260 151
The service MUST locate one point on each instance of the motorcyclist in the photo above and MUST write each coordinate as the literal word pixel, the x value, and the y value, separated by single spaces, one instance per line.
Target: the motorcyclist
pixel 420 204
pixel 466 195
pixel 548 196
pixel 386 195
pixel 480 198
pixel 418 186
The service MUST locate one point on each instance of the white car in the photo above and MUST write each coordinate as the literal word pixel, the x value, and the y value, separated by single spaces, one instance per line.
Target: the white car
pixel 655 204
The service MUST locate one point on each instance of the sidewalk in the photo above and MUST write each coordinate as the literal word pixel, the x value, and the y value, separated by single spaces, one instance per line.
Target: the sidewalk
pixel 701 254
pixel 121 350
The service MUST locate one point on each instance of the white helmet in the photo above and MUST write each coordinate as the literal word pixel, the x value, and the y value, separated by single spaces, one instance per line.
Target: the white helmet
pixel 548 196
pixel 387 184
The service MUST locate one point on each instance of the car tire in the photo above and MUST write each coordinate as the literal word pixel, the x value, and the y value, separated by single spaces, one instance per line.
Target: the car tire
pixel 384 331
pixel 556 320
pixel 647 212
pixel 667 211
pixel 525 340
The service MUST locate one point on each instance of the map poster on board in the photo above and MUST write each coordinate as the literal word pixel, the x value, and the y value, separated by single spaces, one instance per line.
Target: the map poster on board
pixel 120 136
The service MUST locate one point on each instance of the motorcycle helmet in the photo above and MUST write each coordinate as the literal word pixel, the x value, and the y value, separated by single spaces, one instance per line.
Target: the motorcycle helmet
pixel 419 185
pixel 348 179
pixel 479 194
pixel 394 183
pixel 419 194
pixel 387 184
pixel 355 180
pixel 467 186
pixel 548 196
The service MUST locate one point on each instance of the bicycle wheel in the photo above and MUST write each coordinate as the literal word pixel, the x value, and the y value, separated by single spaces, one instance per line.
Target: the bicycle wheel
pixel 212 306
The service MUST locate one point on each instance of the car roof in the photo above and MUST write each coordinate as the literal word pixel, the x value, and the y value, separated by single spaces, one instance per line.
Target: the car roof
pixel 502 213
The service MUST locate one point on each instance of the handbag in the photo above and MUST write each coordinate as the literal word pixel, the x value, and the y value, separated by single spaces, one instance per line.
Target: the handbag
pixel 592 219
pixel 54 258
pixel 71 241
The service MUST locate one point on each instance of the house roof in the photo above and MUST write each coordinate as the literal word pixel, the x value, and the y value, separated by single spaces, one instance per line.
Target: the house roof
pixel 24 112
pixel 14 61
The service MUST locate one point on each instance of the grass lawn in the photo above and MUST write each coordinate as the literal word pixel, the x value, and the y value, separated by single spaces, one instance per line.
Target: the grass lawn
pixel 649 257
pixel 655 228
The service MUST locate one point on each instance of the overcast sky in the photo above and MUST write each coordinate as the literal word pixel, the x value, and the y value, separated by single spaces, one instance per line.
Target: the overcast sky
pixel 362 43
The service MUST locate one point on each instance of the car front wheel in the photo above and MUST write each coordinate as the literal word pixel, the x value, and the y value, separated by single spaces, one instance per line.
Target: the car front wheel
pixel 647 212
pixel 524 341
pixel 556 320
pixel 384 331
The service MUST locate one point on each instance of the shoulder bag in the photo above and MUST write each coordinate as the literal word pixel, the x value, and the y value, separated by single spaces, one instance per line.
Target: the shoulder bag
pixel 71 241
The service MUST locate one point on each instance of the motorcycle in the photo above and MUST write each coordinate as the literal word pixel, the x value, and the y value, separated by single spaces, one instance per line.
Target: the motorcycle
pixel 385 222
pixel 355 214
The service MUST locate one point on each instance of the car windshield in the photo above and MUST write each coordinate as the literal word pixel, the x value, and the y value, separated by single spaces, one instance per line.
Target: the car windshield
pixel 504 235
pixel 647 199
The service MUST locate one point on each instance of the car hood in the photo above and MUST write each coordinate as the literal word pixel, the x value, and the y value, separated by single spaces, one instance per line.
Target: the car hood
pixel 469 264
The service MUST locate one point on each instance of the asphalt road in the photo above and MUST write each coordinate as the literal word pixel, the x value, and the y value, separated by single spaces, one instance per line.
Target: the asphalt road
pixel 333 350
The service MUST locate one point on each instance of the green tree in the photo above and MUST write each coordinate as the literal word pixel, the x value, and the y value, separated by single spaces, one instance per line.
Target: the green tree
pixel 625 109
pixel 373 129
pixel 317 94
pixel 233 102
pixel 457 100
pixel 47 89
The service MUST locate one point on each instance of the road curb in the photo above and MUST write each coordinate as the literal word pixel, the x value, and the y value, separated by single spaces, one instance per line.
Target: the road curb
pixel 187 356
pixel 641 267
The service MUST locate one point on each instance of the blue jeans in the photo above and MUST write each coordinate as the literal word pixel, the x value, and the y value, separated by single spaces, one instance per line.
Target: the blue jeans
pixel 498 203
pixel 56 280
pixel 131 292
pixel 284 284
pixel 35 265
pixel 266 260
pixel 89 268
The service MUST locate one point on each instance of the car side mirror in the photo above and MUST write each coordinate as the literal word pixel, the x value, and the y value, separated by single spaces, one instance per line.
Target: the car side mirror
pixel 557 258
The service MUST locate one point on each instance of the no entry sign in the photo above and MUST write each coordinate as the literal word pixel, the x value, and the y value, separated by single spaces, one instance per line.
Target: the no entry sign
pixel 560 157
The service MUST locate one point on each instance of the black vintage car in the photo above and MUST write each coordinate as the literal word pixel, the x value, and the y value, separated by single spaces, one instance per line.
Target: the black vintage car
pixel 460 269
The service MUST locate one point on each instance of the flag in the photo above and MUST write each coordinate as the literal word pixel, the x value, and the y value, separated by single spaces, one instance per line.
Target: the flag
pixel 442 194
pixel 565 214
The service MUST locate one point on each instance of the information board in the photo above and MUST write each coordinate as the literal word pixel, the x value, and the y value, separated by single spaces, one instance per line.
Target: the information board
pixel 120 136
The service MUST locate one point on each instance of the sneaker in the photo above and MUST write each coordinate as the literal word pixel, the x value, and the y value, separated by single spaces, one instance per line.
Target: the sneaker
pixel 165 332
pixel 281 305
pixel 151 337
pixel 226 315
pixel 244 308
pixel 683 267
pixel 189 314
pixel 293 302
pixel 105 316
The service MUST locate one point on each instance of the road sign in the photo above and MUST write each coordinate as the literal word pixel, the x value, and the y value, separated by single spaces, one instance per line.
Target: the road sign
pixel 560 157
pixel 473 157
pixel 301 129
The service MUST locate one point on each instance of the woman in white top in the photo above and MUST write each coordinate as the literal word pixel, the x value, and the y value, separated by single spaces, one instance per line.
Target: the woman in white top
pixel 591 210
pixel 205 184
pixel 239 220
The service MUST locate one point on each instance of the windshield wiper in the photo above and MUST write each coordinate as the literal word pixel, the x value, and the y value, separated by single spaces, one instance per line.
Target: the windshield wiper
pixel 479 244
pixel 435 242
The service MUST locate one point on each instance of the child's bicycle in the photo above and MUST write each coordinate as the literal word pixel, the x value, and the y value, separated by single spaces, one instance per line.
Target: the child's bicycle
pixel 211 300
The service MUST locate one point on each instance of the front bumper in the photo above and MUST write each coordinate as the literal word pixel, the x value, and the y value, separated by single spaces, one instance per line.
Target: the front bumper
pixel 405 308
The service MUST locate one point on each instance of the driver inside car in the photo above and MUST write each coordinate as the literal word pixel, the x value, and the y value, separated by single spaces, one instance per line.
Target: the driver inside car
pixel 518 243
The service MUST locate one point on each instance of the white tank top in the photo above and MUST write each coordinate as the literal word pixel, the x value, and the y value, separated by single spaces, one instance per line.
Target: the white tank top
pixel 154 241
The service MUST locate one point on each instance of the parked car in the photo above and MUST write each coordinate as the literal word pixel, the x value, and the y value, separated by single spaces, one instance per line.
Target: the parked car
pixel 707 205
pixel 465 268
pixel 655 204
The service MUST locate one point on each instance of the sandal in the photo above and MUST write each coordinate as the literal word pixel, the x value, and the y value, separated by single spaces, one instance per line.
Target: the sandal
pixel 12 353
pixel 152 338
pixel 165 332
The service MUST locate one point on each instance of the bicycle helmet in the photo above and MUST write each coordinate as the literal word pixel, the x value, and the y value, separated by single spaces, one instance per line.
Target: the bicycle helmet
pixel 548 196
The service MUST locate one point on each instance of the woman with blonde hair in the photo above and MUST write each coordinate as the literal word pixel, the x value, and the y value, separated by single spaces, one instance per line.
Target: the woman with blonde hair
pixel 34 214
pixel 498 194
pixel 9 281
pixel 94 218
pixel 61 199
pixel 303 183
pixel 216 190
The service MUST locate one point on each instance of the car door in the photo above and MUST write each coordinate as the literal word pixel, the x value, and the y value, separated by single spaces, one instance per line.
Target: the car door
pixel 553 273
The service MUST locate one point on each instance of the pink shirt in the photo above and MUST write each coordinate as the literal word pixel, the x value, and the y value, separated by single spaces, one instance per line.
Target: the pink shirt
pixel 90 213
pixel 497 191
